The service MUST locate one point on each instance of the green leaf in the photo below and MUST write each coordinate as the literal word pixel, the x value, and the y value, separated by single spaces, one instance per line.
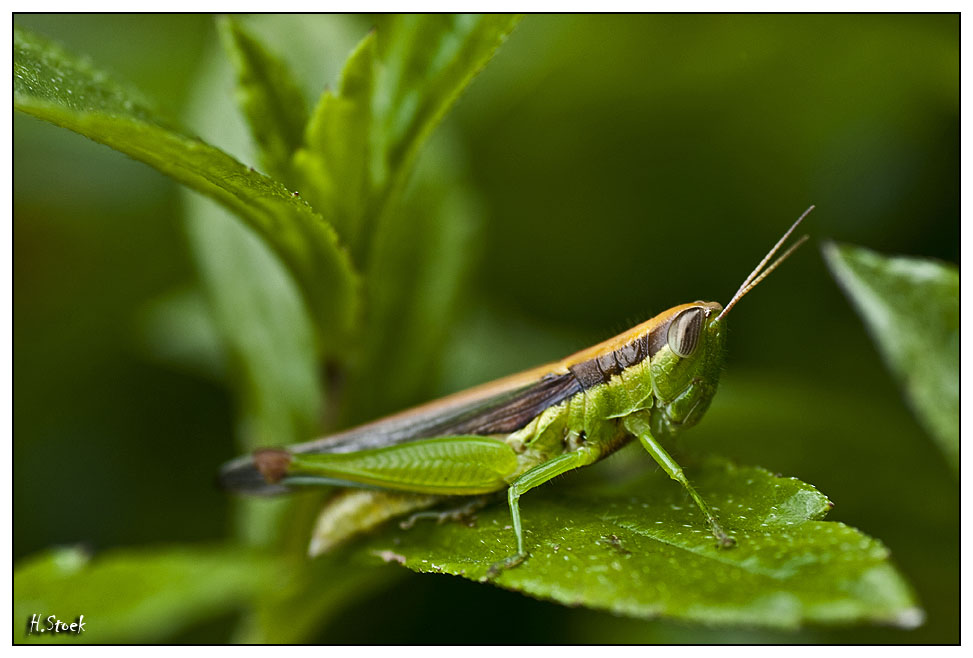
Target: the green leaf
pixel 911 309
pixel 268 336
pixel 257 310
pixel 269 96
pixel 297 607
pixel 395 88
pixel 264 324
pixel 422 243
pixel 419 265
pixel 54 86
pixel 336 164
pixel 178 329
pixel 429 60
pixel 644 550
pixel 134 595
pixel 397 85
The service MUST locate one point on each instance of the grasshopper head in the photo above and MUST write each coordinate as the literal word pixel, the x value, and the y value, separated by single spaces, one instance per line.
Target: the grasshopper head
pixel 686 369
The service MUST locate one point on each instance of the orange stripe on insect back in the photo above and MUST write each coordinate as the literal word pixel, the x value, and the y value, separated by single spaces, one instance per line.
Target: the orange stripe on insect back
pixel 619 342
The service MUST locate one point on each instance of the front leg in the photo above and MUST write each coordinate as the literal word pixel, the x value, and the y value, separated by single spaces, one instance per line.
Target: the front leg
pixel 525 482
pixel 638 424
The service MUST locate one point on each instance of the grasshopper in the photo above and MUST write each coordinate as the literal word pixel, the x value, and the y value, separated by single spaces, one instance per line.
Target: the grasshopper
pixel 648 383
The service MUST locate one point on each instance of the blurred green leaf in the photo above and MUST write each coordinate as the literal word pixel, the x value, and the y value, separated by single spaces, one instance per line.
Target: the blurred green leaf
pixel 299 604
pixel 264 324
pixel 336 164
pixel 422 244
pixel 270 98
pixel 179 329
pixel 54 86
pixel 397 85
pixel 643 550
pixel 911 308
pixel 420 259
pixel 134 595
pixel 428 62
pixel 268 334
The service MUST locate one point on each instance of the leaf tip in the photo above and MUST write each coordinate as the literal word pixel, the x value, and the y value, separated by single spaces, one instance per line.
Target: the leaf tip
pixel 228 31
pixel 830 251
pixel 228 26
pixel 389 557
pixel 910 618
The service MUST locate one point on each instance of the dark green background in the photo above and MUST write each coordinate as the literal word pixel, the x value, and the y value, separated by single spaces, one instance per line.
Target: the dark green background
pixel 624 164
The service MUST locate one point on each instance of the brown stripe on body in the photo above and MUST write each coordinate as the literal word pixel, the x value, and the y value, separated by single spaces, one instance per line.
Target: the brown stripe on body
pixel 601 368
pixel 635 352
pixel 502 413
pixel 513 414
pixel 658 338
pixel 596 365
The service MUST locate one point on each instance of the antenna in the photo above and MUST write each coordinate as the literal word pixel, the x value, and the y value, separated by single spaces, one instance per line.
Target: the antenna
pixel 757 276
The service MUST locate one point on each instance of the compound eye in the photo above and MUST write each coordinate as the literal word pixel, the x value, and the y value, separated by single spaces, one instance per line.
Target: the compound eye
pixel 684 330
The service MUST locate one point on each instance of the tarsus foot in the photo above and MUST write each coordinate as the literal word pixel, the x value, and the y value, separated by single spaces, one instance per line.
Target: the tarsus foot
pixel 465 513
pixel 509 563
